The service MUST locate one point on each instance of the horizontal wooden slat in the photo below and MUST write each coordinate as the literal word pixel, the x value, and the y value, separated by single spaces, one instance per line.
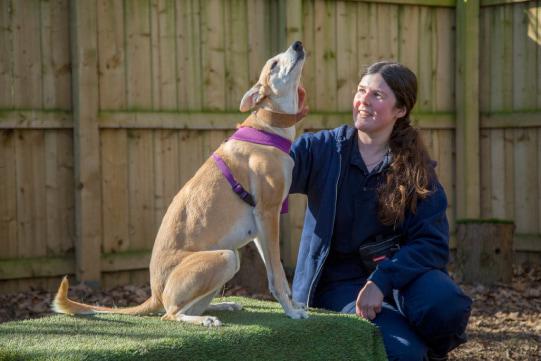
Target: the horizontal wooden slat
pixel 57 119
pixel 439 3
pixel 125 261
pixel 501 2
pixel 511 120
pixel 35 119
pixel 172 120
pixel 36 267
pixel 59 266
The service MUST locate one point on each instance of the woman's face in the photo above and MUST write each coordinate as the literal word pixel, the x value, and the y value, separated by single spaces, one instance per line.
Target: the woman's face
pixel 374 110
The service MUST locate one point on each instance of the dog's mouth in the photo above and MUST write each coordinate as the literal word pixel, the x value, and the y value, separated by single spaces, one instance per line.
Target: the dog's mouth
pixel 300 57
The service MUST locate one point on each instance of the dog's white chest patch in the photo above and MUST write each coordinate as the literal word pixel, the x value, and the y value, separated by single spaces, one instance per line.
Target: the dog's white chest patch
pixel 240 233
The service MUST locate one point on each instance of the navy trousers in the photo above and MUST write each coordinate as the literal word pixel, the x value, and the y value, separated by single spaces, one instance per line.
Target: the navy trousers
pixel 431 312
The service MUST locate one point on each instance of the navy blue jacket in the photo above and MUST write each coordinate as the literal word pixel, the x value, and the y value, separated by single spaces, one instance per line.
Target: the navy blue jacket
pixel 319 165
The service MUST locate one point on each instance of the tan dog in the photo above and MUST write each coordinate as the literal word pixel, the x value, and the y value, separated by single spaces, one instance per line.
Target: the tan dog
pixel 195 251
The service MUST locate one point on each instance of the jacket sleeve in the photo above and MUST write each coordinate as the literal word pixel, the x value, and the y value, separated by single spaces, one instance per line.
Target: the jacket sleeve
pixel 301 153
pixel 426 245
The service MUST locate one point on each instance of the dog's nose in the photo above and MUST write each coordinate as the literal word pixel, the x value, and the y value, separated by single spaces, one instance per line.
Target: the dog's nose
pixel 297 46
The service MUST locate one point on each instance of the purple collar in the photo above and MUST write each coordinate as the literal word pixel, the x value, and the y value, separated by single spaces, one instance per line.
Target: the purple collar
pixel 252 135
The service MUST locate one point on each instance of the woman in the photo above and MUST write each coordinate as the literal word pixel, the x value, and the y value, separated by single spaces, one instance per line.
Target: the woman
pixel 375 236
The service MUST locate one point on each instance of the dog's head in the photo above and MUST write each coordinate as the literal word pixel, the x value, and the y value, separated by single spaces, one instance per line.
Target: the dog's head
pixel 278 85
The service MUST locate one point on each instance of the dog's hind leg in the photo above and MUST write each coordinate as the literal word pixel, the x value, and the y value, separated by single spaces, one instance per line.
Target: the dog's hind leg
pixel 192 285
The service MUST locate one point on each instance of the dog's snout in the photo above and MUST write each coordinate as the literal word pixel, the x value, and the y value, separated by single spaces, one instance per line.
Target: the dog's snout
pixel 297 46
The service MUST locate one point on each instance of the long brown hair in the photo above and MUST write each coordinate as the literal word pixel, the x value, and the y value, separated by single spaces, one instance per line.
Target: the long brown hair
pixel 411 173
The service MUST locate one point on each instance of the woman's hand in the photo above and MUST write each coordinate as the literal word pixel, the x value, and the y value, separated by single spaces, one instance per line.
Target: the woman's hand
pixel 369 301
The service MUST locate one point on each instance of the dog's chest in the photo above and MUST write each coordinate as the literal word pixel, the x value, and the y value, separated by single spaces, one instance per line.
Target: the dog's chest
pixel 240 233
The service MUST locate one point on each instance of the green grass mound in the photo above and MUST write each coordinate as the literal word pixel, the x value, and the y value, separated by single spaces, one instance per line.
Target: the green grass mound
pixel 259 332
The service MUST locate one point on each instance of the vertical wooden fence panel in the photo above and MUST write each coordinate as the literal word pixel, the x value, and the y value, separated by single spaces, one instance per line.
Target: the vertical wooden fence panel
pixel 55 54
pixel 346 54
pixel 8 195
pixel 141 189
pixel 138 56
pixel 87 145
pixel 111 53
pixel 27 75
pixel 467 110
pixel 114 183
pixel 6 53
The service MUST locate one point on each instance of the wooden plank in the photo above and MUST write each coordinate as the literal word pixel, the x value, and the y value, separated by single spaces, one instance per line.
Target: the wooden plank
pixel 509 175
pixel 58 193
pixel 524 84
pixel 188 43
pixel 258 49
pixel 485 174
pixel 141 189
pixel 213 48
pixel 439 3
pixel 346 53
pixel 496 174
pixel 386 31
pixel 191 153
pixel 166 171
pixel 309 70
pixel 83 34
pixel 35 119
pixel 112 262
pixel 53 226
pixel 111 54
pixel 56 65
pixel 501 2
pixel 467 126
pixel 536 34
pixel 115 206
pixel 408 37
pixel 27 77
pixel 138 55
pixel 236 53
pixel 446 172
pixel 66 200
pixel 163 35
pixel 6 53
pixel 427 62
pixel 526 191
pixel 445 60
pixel 294 17
pixel 485 62
pixel 539 181
pixel 325 55
pixel 31 213
pixel 36 267
pixel 8 195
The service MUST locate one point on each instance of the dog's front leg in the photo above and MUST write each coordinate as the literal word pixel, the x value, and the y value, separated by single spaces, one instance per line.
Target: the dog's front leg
pixel 268 244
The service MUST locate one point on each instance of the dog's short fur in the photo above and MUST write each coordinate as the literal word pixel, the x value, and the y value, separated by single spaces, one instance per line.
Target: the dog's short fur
pixel 195 251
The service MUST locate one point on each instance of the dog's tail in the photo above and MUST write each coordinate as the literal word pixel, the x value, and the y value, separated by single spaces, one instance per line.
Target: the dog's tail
pixel 62 304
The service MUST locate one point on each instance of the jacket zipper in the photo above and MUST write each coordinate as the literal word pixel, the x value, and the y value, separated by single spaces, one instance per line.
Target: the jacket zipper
pixel 332 225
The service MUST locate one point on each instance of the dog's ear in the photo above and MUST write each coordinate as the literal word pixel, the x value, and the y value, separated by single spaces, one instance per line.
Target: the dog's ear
pixel 252 97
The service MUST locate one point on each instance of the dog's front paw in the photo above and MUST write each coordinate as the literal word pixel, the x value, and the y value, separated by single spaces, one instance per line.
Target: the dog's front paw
pixel 297 314
pixel 211 321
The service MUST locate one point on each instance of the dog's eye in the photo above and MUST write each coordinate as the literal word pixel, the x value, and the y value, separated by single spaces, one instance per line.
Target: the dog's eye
pixel 274 64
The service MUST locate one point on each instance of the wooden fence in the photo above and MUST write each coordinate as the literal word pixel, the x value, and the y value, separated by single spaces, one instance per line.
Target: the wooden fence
pixel 107 107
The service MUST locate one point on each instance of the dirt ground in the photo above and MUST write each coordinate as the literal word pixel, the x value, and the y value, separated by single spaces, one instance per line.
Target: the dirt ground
pixel 505 323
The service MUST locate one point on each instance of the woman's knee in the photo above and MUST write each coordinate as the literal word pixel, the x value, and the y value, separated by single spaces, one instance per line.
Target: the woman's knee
pixel 436 305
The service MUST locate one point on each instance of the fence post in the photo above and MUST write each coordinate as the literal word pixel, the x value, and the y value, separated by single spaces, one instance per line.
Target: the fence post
pixel 468 192
pixel 83 28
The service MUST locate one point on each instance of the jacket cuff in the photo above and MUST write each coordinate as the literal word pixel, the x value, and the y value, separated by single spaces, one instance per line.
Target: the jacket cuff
pixel 382 281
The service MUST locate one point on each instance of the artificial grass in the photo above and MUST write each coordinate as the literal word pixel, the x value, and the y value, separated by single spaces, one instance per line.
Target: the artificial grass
pixel 261 331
